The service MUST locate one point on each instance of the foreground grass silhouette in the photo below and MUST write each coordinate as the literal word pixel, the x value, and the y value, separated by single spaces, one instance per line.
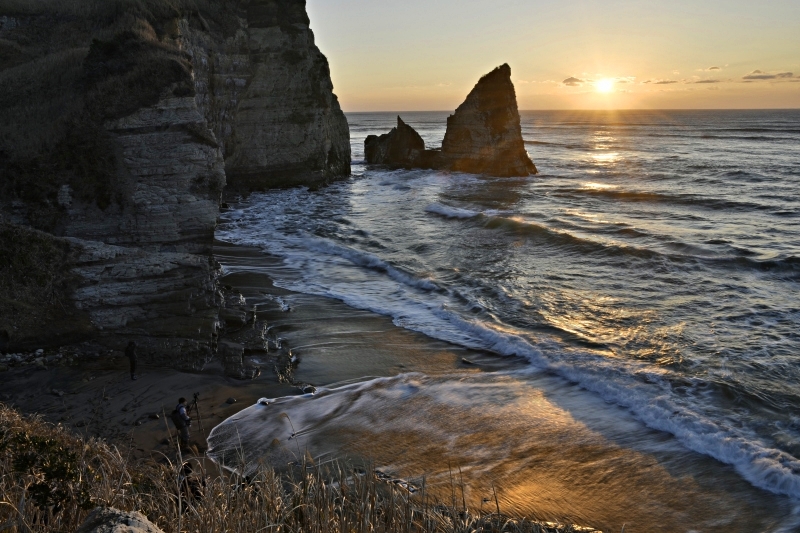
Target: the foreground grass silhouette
pixel 50 480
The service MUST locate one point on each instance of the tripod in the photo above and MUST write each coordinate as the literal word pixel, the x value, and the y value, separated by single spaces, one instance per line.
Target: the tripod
pixel 196 408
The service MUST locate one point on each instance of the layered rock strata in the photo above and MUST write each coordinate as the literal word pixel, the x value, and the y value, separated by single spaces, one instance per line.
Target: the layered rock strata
pixel 119 149
pixel 267 94
pixel 483 136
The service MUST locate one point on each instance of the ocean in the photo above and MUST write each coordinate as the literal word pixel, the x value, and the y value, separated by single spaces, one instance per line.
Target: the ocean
pixel 645 285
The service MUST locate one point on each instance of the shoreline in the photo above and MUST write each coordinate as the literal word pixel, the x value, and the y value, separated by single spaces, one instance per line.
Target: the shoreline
pixel 90 392
pixel 334 344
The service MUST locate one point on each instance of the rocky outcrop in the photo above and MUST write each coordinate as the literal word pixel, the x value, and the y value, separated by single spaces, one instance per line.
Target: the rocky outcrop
pixel 110 520
pixel 483 136
pixel 401 147
pixel 268 96
pixel 142 267
pixel 119 148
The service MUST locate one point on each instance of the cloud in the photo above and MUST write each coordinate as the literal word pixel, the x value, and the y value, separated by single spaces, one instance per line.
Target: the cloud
pixel 709 69
pixel 714 68
pixel 660 82
pixel 760 75
pixel 705 81
pixel 573 82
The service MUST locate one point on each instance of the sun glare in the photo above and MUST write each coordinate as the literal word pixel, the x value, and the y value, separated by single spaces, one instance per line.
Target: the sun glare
pixel 604 85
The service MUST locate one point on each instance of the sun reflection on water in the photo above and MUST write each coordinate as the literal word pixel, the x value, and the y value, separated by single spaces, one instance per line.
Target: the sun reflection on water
pixel 611 157
pixel 593 185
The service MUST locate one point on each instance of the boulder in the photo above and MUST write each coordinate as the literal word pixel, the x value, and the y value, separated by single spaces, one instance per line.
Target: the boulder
pixel 483 136
pixel 110 520
pixel 401 147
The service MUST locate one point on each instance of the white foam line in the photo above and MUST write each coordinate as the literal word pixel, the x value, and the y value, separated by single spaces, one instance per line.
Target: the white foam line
pixel 617 382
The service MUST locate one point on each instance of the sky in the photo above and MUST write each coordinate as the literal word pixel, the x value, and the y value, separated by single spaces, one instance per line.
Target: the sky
pixel 568 54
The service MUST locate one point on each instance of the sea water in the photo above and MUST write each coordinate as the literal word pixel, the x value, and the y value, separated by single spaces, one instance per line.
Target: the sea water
pixel 648 278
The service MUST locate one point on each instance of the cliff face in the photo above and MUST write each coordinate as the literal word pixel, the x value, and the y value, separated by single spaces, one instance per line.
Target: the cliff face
pixel 268 96
pixel 119 145
pixel 483 136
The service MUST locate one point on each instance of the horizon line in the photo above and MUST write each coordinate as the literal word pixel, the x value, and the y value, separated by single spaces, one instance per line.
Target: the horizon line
pixel 604 110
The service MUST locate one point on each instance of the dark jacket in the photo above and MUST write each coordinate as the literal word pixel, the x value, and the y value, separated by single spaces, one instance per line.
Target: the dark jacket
pixel 130 352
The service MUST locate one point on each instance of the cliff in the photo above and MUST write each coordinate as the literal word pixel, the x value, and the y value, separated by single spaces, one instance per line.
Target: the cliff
pixel 120 125
pixel 267 95
pixel 483 136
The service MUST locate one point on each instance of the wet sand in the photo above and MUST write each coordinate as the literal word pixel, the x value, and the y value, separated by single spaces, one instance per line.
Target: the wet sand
pixel 337 344
pixel 334 343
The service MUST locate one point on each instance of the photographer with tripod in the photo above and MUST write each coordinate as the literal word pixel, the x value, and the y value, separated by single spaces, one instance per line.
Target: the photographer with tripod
pixel 182 420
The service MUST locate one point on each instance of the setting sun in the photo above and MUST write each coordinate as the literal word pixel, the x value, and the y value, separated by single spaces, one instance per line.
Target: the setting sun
pixel 604 86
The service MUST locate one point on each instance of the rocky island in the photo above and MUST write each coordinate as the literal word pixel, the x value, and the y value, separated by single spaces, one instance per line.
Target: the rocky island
pixel 483 136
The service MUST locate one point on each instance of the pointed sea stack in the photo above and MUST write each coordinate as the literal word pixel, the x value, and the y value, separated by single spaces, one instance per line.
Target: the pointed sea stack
pixel 401 147
pixel 484 134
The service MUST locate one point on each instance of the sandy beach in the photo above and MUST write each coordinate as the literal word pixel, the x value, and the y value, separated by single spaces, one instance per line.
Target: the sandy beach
pixel 94 394
pixel 333 345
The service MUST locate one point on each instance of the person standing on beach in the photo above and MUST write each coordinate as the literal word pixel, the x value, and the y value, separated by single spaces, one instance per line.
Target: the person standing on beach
pixel 130 353
pixel 182 422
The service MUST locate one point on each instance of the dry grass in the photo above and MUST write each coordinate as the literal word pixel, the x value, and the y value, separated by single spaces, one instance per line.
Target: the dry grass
pixel 50 480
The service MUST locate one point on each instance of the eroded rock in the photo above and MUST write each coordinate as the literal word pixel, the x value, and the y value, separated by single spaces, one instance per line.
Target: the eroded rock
pixel 483 136
pixel 175 109
pixel 401 147
pixel 267 94
pixel 110 520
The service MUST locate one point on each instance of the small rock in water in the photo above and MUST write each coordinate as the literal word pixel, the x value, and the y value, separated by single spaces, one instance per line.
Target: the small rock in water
pixel 230 401
pixel 154 416
pixel 39 352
